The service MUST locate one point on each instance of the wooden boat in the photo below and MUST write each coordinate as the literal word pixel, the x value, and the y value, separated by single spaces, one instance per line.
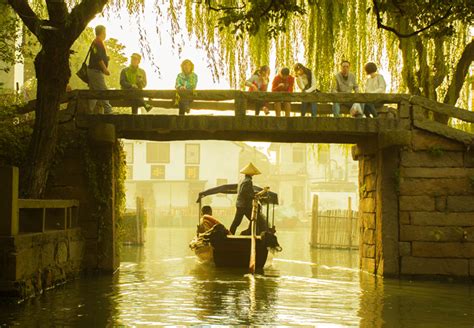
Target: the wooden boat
pixel 235 251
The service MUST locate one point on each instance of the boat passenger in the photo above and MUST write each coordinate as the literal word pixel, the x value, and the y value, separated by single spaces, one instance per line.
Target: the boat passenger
pixel 244 197
pixel 207 220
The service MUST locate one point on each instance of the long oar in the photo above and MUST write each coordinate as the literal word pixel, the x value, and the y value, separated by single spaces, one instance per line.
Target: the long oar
pixel 253 229
pixel 253 239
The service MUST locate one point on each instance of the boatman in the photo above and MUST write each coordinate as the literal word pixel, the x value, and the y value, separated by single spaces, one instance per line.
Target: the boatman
pixel 244 197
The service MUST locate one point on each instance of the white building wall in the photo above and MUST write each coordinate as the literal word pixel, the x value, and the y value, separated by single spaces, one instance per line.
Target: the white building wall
pixel 218 160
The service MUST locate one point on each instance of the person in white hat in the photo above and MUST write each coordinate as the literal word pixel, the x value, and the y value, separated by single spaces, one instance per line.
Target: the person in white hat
pixel 244 197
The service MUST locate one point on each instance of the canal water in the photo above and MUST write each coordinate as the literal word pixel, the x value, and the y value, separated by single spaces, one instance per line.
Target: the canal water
pixel 162 284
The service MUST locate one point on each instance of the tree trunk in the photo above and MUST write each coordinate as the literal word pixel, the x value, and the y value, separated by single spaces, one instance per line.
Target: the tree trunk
pixel 462 68
pixel 52 72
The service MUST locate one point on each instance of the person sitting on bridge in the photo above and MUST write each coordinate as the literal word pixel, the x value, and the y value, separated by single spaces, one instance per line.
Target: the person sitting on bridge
pixel 375 83
pixel 207 220
pixel 134 78
pixel 244 197
pixel 344 81
pixel 186 80
pixel 283 82
pixel 306 81
pixel 259 82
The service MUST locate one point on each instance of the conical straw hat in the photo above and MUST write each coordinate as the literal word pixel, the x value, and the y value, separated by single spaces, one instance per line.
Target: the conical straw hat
pixel 250 169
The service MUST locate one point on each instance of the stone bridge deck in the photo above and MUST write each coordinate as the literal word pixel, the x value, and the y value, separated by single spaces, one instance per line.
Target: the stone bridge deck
pixel 276 129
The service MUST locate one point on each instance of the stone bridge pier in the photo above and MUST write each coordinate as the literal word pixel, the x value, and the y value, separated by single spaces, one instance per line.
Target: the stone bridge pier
pixel 416 206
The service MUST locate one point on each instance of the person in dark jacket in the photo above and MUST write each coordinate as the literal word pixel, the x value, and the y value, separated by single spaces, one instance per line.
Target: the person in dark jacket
pixel 244 197
pixel 98 68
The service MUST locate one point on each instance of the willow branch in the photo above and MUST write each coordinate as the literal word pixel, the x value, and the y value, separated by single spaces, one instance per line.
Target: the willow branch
pixel 27 15
pixel 381 25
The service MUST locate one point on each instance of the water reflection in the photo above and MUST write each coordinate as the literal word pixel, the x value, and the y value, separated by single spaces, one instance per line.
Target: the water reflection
pixel 162 283
pixel 233 296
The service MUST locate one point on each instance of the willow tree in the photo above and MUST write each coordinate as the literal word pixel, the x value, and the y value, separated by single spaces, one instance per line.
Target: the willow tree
pixel 430 34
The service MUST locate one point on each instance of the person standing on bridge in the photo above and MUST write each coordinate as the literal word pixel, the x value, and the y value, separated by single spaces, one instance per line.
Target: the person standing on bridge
pixel 97 68
pixel 306 81
pixel 259 82
pixel 186 80
pixel 134 78
pixel 375 83
pixel 244 197
pixel 344 81
pixel 283 82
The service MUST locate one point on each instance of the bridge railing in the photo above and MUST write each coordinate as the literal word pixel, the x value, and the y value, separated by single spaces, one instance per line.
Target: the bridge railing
pixel 40 215
pixel 432 116
pixel 223 100
pixel 421 112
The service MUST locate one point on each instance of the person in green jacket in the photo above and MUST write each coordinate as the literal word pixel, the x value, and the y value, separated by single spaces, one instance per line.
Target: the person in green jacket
pixel 186 80
pixel 134 78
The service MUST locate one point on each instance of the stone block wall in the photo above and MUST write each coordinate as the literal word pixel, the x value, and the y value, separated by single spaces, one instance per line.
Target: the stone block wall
pixel 367 211
pixel 83 177
pixel 69 180
pixel 32 263
pixel 436 207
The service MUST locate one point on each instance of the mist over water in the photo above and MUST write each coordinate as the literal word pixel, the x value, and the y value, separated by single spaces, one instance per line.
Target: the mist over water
pixel 163 284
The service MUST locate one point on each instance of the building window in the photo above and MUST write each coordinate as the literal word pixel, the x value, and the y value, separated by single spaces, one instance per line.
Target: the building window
pixel 157 152
pixel 128 148
pixel 298 155
pixel 192 154
pixel 157 172
pixel 191 172
pixel 129 172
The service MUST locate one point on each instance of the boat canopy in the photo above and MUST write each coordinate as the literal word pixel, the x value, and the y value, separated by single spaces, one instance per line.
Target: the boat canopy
pixel 272 198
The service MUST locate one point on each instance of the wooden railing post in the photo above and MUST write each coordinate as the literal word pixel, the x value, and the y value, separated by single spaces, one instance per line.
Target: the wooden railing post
pixel 314 222
pixel 9 213
pixel 240 103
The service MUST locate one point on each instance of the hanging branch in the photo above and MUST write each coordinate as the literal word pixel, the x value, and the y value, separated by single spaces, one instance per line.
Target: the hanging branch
pixel 381 25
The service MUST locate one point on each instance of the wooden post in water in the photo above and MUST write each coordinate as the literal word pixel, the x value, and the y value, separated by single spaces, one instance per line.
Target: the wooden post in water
pixel 140 219
pixel 349 217
pixel 314 222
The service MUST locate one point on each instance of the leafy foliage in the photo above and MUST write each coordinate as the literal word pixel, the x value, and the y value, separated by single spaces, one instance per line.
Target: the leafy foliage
pixel 13 47
pixel 15 133
pixel 251 16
